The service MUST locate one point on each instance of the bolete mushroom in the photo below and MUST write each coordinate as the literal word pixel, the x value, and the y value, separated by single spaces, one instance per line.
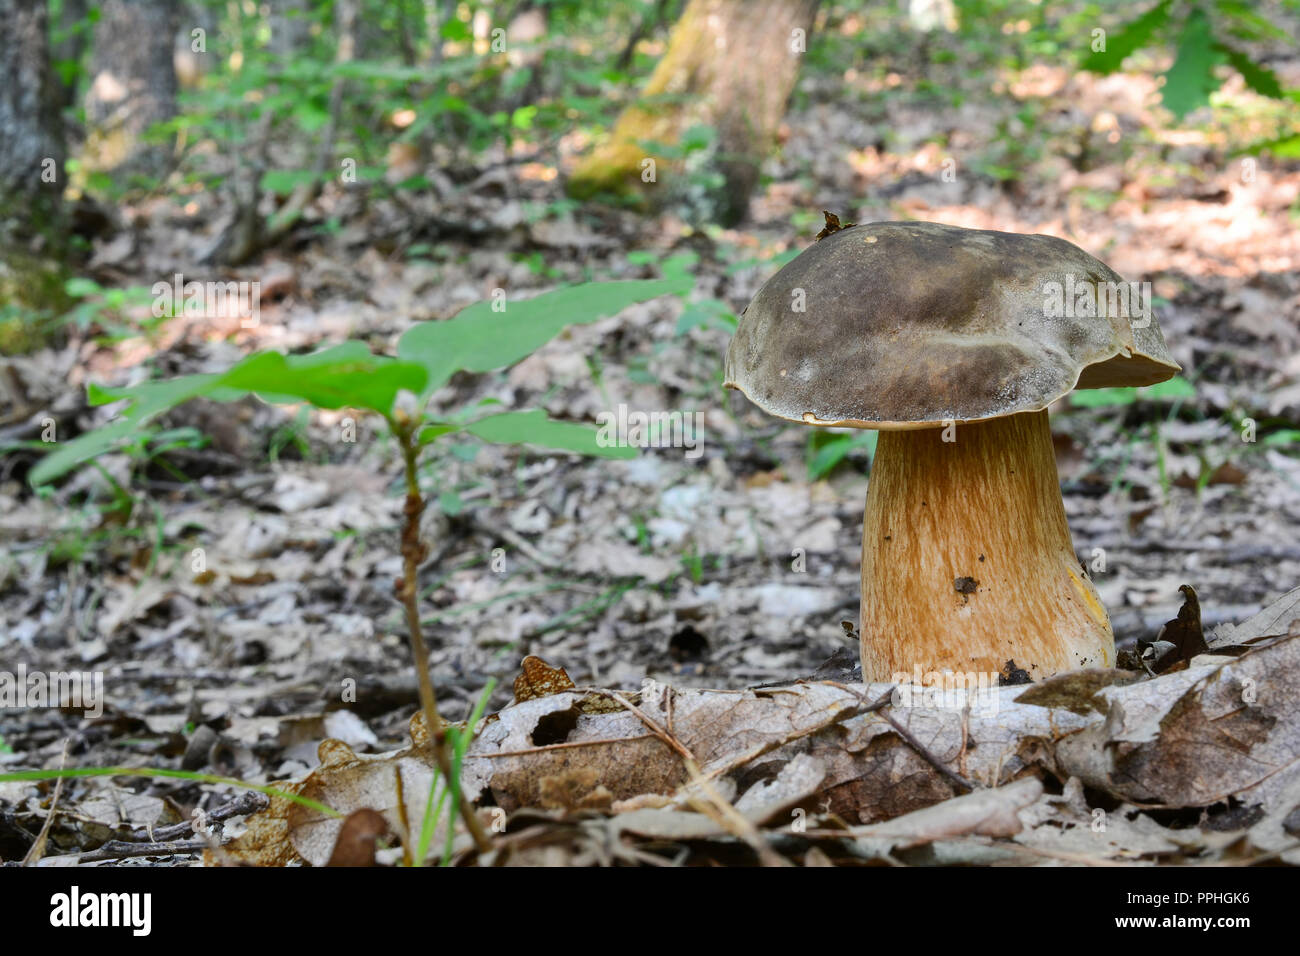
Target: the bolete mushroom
pixel 953 343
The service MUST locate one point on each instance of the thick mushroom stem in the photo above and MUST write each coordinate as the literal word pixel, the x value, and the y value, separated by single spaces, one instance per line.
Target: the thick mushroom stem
pixel 967 562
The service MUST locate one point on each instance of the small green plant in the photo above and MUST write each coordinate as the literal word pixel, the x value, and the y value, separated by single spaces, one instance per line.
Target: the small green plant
pixel 482 338
pixel 694 564
pixel 291 435
pixel 459 740
pixel 116 312
pixel 1204 34
pixel 1284 439
pixel 826 449
pixel 706 314
pixel 1174 389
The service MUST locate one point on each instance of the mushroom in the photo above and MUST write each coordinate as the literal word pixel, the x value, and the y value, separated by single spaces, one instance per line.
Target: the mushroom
pixel 953 342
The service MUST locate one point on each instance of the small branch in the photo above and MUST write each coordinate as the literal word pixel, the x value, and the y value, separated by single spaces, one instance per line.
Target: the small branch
pixel 37 849
pixel 566 745
pixel 121 850
pixel 651 724
pixel 244 804
pixel 951 775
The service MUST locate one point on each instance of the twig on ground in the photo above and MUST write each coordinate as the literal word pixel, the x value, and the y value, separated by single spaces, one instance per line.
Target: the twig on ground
pixel 242 805
pixel 35 851
pixel 951 775
pixel 564 745
pixel 122 849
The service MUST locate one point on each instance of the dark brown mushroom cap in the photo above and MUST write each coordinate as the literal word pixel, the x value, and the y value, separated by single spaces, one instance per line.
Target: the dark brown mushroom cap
pixel 910 324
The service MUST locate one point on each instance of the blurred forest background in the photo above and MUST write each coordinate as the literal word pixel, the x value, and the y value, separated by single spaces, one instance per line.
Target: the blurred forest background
pixel 372 164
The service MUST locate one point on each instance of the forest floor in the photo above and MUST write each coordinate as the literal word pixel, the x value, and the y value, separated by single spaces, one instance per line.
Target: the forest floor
pixel 675 568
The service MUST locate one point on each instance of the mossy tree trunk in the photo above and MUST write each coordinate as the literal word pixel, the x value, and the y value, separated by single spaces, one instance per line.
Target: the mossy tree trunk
pixel 730 65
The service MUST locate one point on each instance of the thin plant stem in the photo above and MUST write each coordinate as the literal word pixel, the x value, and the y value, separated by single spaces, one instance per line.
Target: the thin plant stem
pixel 412 553
pixel 165 772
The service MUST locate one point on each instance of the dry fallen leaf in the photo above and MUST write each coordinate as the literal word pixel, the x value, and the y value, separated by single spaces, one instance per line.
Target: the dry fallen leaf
pixel 355 845
pixel 540 679
pixel 1223 728
pixel 1275 620
pixel 1179 640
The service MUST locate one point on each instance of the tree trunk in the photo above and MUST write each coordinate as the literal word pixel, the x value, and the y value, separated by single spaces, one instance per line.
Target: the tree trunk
pixel 31 127
pixel 133 85
pixel 731 65
pixel 33 220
